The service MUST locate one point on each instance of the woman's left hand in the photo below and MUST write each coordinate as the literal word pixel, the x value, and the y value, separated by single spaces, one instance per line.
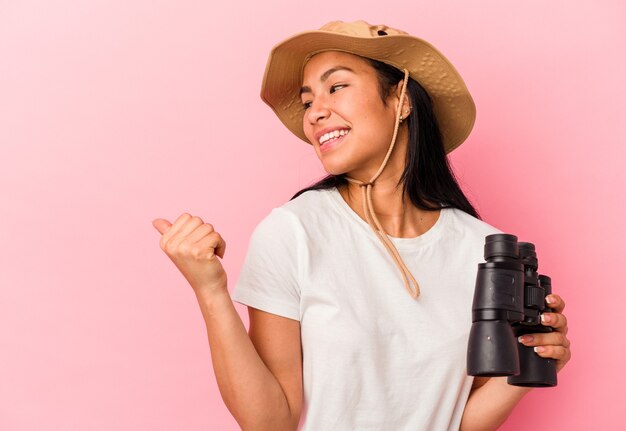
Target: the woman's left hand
pixel 552 344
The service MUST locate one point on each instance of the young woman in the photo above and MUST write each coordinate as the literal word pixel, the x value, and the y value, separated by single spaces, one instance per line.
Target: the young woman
pixel 360 287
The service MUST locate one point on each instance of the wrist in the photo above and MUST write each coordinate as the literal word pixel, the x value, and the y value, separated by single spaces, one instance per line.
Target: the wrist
pixel 212 287
pixel 212 298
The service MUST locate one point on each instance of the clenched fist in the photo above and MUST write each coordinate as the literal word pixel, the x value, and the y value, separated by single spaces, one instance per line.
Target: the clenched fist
pixel 193 246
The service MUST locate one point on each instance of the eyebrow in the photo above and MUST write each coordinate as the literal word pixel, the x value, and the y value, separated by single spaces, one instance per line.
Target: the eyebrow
pixel 325 76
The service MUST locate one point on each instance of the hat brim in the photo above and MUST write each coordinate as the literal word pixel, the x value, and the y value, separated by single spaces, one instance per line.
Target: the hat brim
pixel 452 103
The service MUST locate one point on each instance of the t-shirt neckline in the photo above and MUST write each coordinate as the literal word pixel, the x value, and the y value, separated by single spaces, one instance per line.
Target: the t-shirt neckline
pixel 427 237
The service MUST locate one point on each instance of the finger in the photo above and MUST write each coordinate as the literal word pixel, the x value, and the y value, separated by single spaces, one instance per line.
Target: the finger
pixel 554 352
pixel 199 233
pixel 555 320
pixel 220 250
pixel 185 230
pixel 555 302
pixel 554 338
pixel 215 241
pixel 180 221
pixel 161 225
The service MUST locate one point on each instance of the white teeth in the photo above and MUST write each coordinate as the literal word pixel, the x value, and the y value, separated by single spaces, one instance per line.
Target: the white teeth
pixel 333 134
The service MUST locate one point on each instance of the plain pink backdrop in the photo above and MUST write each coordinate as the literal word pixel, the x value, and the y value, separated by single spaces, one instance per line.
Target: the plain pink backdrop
pixel 113 113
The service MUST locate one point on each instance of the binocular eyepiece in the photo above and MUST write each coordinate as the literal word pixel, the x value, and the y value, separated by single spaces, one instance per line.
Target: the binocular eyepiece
pixel 508 301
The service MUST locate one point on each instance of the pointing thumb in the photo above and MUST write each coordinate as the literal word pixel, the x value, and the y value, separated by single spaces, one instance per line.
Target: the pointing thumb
pixel 161 225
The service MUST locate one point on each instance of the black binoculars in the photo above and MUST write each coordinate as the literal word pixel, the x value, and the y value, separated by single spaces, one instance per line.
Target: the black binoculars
pixel 508 301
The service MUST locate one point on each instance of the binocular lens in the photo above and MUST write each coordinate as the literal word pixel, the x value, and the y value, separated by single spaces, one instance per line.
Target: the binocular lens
pixel 492 349
pixel 501 245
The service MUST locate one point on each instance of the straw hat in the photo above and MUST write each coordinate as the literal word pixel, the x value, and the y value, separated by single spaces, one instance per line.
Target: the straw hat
pixel 452 102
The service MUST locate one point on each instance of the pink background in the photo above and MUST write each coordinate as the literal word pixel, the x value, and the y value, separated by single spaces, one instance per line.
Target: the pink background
pixel 113 113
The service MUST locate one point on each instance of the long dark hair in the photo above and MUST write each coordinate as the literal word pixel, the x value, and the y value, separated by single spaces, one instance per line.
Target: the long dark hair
pixel 427 176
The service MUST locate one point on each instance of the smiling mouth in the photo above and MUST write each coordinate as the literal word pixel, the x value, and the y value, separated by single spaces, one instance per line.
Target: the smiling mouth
pixel 331 137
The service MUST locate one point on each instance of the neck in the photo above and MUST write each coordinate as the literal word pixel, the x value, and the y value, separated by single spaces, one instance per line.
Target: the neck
pixel 396 213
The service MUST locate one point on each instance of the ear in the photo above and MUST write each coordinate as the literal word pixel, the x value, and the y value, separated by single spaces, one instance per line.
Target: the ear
pixel 406 103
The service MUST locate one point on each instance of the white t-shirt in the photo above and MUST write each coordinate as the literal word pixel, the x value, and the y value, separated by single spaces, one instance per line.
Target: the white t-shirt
pixel 373 357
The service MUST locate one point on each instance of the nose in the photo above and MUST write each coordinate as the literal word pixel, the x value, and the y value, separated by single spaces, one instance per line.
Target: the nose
pixel 318 110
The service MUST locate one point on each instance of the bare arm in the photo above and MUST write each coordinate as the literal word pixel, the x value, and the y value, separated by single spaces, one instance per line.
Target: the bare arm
pixel 259 377
pixel 490 403
pixel 252 394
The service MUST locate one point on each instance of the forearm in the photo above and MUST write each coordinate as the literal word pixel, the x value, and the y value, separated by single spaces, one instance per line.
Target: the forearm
pixel 250 391
pixel 488 406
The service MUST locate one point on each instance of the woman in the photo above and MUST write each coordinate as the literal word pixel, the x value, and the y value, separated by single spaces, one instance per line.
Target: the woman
pixel 335 342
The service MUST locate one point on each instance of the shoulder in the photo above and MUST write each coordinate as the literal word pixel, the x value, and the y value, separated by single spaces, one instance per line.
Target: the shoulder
pixel 465 224
pixel 290 219
pixel 309 202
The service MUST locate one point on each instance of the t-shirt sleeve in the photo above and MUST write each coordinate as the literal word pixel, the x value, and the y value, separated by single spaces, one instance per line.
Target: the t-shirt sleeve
pixel 269 276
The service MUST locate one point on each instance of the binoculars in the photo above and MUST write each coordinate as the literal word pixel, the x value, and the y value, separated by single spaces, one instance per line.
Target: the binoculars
pixel 508 301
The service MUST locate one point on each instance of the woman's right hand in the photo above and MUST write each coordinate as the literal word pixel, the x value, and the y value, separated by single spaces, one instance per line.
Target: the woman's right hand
pixel 193 246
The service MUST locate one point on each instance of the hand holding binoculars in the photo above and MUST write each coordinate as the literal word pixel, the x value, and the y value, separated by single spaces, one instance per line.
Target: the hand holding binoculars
pixel 509 299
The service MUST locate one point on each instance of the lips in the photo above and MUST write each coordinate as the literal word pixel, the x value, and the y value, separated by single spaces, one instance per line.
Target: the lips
pixel 334 134
pixel 333 142
pixel 324 135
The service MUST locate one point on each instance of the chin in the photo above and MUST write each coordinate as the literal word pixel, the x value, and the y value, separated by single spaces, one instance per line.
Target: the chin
pixel 333 169
pixel 337 163
pixel 330 169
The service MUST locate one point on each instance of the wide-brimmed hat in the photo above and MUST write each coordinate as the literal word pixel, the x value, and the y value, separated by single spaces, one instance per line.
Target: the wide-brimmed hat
pixel 452 102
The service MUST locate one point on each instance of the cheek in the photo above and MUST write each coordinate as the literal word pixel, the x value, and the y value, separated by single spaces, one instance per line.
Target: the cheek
pixel 375 122
pixel 307 129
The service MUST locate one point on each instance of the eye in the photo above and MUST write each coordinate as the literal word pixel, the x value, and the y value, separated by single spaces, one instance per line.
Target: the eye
pixel 336 87
pixel 306 105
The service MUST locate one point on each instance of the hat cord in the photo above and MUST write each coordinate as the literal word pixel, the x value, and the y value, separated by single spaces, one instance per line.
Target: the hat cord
pixel 368 207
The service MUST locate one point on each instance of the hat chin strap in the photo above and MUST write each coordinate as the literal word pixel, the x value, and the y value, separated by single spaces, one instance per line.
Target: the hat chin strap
pixel 368 207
